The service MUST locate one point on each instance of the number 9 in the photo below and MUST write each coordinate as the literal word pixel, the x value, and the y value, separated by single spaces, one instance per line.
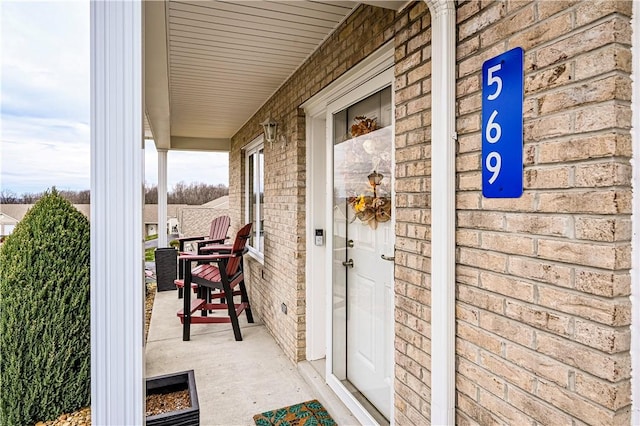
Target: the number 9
pixel 493 168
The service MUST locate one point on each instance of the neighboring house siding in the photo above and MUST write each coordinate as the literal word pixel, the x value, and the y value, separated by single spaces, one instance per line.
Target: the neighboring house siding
pixel 542 282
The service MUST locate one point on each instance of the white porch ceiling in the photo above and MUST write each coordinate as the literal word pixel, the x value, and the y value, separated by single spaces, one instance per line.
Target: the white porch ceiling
pixel 211 64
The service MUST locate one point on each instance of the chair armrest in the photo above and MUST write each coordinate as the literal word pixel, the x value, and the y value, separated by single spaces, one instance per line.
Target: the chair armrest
pixel 207 241
pixel 216 248
pixel 186 239
pixel 207 257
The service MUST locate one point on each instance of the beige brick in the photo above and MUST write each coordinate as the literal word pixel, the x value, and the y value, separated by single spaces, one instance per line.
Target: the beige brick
pixel 485 379
pixel 467 48
pixel 597 146
pixel 603 174
pixel 607 339
pixel 538 364
pixel 467 350
pixel 548 127
pixel 410 92
pixel 469 104
pixel 603 117
pixel 469 181
pixel 481 220
pixel 467 85
pixel 508 243
pixel 481 299
pixel 468 123
pixel 547 178
pixel 466 275
pixel 482 259
pixel 616 29
pixel 473 64
pixel 610 367
pixel 468 238
pixel 507 328
pixel 507 26
pixel 542 412
pixel 547 79
pixel 603 283
pixel 597 255
pixel 466 313
pixel 605 311
pixel 587 12
pixel 466 387
pixel 469 143
pixel 606 59
pixel 538 224
pixel 574 405
pixel 549 8
pixel 479 338
pixel 540 318
pixel 603 229
pixel 468 200
pixel 498 406
pixel 595 202
pixel 610 395
pixel 531 36
pixel 507 286
pixel 525 203
pixel 481 20
pixel 589 92
pixel 466 10
pixel 508 372
pixel 475 411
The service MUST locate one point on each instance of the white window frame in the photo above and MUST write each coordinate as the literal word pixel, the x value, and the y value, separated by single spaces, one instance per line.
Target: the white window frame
pixel 252 148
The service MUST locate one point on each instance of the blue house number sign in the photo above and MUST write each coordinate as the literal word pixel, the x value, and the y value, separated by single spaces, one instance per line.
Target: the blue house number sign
pixel 502 137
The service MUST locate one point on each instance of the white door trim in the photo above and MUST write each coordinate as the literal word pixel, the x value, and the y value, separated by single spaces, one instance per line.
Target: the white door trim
pixel 319 200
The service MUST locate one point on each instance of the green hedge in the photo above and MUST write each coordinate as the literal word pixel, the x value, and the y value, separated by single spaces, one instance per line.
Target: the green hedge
pixel 45 350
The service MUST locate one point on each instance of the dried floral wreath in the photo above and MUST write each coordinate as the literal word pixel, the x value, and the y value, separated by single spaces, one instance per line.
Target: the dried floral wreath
pixel 363 125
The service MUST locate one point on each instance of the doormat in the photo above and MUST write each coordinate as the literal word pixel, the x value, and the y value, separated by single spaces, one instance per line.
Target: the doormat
pixel 306 413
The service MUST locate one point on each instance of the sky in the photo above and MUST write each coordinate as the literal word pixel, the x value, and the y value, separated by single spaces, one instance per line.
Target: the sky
pixel 44 106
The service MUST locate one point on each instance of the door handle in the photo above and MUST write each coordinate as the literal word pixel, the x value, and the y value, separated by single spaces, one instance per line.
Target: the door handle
pixel 348 263
pixel 389 258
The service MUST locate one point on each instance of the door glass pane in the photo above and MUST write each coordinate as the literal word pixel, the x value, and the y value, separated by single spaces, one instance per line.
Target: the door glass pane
pixel 362 231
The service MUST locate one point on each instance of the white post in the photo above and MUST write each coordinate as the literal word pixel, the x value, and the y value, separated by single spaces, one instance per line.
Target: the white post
pixel 117 255
pixel 162 197
pixel 443 213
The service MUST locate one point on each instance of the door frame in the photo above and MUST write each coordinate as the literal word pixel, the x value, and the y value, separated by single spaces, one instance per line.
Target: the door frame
pixel 370 75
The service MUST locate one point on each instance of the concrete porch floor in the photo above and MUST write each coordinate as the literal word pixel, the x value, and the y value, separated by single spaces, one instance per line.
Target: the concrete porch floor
pixel 235 380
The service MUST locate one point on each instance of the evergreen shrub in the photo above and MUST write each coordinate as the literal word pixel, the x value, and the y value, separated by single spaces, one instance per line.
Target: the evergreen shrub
pixel 45 350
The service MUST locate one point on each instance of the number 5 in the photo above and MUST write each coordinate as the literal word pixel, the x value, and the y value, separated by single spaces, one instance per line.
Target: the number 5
pixel 491 79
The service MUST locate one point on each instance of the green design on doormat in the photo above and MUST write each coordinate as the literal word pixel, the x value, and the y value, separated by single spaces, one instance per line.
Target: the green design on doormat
pixel 308 413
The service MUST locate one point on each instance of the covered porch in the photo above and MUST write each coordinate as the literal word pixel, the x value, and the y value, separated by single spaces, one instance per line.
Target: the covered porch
pixel 203 76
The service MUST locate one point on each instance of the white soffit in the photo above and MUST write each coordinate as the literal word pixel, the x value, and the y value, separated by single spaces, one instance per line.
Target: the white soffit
pixel 226 58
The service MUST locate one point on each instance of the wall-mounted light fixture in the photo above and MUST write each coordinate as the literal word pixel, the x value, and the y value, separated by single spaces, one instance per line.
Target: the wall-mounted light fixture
pixel 270 127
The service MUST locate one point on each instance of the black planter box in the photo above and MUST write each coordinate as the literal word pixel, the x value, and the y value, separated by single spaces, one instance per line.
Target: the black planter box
pixel 166 268
pixel 172 383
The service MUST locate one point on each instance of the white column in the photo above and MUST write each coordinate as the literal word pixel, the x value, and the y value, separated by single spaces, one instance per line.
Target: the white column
pixel 635 219
pixel 162 197
pixel 117 255
pixel 443 213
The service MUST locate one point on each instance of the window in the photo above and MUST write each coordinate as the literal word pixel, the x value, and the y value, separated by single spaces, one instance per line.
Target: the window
pixel 254 201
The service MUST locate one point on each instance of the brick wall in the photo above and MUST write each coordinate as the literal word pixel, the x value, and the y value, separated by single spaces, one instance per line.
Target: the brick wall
pixel 543 281
pixel 282 277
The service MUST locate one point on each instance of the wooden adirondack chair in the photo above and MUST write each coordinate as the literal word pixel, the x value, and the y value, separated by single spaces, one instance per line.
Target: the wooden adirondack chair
pixel 217 235
pixel 222 272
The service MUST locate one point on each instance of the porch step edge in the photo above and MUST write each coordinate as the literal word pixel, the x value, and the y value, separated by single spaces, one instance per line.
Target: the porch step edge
pixel 334 406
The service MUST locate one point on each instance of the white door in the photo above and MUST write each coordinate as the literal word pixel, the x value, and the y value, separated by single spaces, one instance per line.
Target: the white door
pixel 363 250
